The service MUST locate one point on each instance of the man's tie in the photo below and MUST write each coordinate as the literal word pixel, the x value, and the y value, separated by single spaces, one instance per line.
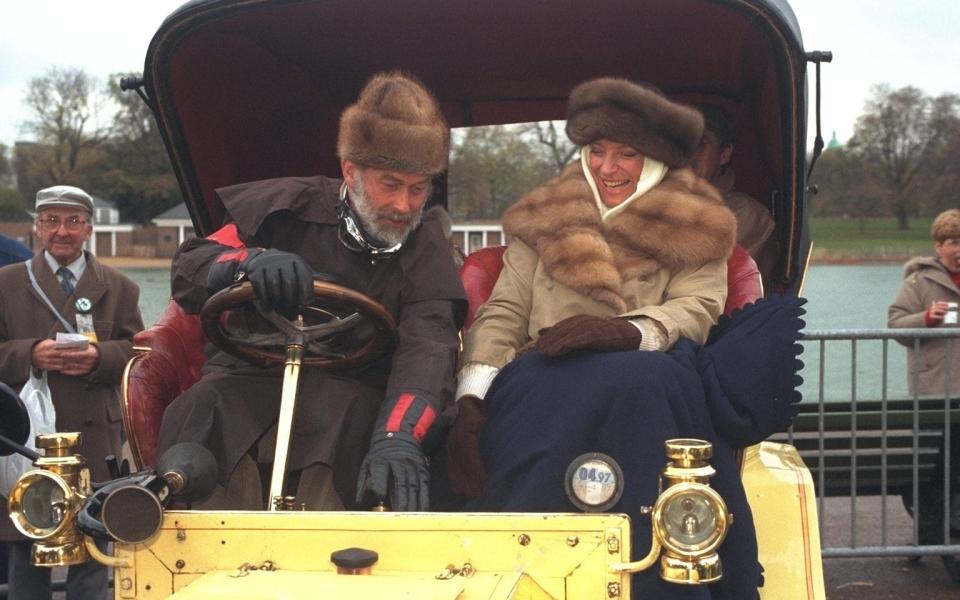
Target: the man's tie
pixel 66 280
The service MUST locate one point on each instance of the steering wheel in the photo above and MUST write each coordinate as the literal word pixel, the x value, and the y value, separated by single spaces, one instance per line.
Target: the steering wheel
pixel 338 328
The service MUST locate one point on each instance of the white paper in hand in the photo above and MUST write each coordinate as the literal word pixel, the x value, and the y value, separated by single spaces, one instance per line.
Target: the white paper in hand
pixel 76 341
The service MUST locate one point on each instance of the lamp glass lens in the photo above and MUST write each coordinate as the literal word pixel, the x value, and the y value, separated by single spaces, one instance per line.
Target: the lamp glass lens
pixel 690 519
pixel 44 503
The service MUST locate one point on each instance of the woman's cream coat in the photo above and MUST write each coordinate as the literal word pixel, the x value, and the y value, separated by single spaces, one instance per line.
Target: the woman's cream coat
pixel 663 257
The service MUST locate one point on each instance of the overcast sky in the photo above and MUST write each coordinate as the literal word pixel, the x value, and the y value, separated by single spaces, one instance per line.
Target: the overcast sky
pixel 873 41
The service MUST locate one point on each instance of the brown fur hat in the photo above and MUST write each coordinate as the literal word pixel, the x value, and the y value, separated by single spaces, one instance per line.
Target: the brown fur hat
pixel 396 124
pixel 638 115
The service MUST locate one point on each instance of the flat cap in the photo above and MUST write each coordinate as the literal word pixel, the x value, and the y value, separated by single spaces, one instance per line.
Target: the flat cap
pixel 65 196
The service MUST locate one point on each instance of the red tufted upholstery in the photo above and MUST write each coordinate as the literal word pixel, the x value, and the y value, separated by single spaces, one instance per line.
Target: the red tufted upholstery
pixel 744 284
pixel 480 271
pixel 153 379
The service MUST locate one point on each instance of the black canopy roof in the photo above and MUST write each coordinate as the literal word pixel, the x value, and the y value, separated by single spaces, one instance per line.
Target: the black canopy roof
pixel 252 89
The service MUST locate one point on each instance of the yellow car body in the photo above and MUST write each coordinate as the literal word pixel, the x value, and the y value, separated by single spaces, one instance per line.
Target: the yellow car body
pixel 241 555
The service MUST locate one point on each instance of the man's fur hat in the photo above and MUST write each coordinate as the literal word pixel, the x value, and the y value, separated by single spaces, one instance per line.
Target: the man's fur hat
pixel 396 124
pixel 638 115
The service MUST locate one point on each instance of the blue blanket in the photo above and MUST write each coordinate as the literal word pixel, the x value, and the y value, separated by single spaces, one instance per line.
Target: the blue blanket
pixel 736 390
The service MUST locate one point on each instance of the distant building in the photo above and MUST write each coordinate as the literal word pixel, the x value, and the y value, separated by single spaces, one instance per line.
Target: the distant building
pixel 110 236
pixel 834 142
pixel 174 227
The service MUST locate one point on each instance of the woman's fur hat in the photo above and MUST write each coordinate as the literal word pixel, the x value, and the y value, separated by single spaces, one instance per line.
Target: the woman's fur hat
pixel 396 124
pixel 638 115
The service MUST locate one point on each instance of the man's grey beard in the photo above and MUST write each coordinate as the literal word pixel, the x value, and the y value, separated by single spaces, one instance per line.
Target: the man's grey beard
pixel 368 215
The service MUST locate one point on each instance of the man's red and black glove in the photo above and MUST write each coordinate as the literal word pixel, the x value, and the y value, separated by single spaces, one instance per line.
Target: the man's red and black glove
pixel 584 332
pixel 464 463
pixel 281 280
pixel 395 468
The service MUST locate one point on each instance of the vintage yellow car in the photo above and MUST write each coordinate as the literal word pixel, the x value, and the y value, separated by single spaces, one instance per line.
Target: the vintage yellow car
pixel 251 89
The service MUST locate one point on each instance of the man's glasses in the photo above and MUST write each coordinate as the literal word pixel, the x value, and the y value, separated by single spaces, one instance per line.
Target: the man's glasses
pixel 51 224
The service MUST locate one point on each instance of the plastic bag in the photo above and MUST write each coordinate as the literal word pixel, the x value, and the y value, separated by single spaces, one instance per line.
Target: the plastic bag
pixel 43 419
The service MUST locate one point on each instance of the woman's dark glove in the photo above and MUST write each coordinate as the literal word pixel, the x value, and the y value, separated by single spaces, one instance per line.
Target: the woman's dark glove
pixel 464 463
pixel 281 280
pixel 585 332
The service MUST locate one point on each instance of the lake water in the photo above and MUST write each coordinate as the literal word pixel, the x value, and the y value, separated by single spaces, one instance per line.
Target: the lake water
pixel 839 297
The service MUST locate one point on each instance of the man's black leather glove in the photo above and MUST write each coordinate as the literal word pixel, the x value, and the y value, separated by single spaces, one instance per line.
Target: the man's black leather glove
pixel 585 332
pixel 395 468
pixel 281 280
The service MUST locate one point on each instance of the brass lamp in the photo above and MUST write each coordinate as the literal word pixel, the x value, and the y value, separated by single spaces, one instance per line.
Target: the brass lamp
pixel 690 518
pixel 44 502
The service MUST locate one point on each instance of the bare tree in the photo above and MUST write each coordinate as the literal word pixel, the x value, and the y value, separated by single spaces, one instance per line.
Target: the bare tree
pixel 899 133
pixel 559 149
pixel 64 105
pixel 944 165
pixel 491 168
pixel 138 175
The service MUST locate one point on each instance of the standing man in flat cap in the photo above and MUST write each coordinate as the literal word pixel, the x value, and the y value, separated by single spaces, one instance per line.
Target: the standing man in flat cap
pixel 62 288
pixel 358 435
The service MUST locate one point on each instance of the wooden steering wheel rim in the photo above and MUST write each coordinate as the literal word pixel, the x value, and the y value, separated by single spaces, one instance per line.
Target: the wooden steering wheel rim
pixel 384 326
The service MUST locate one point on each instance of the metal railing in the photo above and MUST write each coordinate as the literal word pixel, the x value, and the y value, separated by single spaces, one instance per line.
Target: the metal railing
pixel 865 437
pixel 475 237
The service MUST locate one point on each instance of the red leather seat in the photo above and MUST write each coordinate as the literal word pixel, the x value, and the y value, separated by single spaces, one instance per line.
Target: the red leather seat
pixel 169 357
pixel 168 361
pixel 480 271
pixel 155 376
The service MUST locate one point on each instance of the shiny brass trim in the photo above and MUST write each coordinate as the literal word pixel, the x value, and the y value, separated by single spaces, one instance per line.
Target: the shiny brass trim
pixel 706 569
pixel 288 400
pixel 71 552
pixel 102 558
pixel 689 452
pixel 16 509
pixel 643 564
pixel 125 411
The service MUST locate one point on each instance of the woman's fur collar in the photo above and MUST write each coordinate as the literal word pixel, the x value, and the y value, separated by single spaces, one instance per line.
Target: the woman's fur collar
pixel 680 223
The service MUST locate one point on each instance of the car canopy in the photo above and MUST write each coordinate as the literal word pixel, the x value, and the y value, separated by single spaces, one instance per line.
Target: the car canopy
pixel 253 89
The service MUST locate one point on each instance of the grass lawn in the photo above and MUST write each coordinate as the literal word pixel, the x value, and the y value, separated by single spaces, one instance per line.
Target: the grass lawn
pixel 870 239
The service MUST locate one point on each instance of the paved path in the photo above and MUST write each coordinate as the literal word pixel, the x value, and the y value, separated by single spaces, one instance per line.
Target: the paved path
pixel 879 578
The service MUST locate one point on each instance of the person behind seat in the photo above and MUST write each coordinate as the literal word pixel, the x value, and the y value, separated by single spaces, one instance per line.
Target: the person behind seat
pixel 12 251
pixel 711 160
pixel 616 261
pixel 929 283
pixel 364 428
pixel 83 382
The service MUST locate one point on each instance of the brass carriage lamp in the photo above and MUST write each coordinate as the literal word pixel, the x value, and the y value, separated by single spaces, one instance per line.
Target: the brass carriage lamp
pixel 690 518
pixel 44 502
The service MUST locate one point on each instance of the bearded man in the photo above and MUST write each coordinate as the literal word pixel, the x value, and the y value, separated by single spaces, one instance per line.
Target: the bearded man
pixel 358 435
